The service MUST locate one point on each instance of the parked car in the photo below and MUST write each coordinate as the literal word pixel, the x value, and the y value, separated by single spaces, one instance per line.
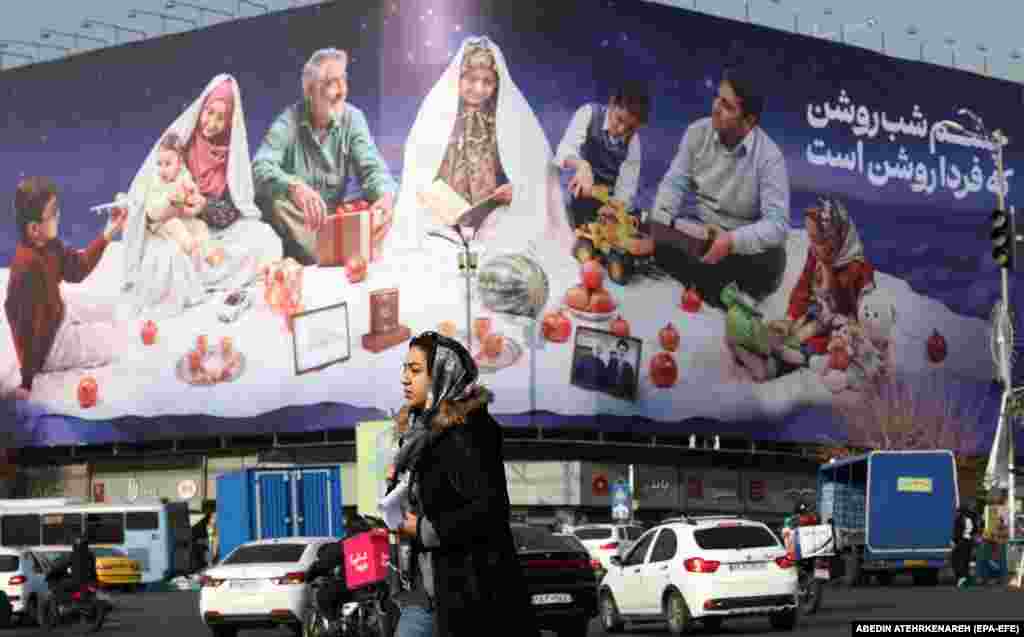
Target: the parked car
pixel 605 540
pixel 595 563
pixel 560 579
pixel 701 569
pixel 260 584
pixel 23 580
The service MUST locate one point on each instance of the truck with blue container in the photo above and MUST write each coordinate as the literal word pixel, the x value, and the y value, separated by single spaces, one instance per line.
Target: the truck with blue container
pixel 278 502
pixel 892 512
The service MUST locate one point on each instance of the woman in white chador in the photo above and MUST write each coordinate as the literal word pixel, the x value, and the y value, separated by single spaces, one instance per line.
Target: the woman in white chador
pixel 161 279
pixel 476 132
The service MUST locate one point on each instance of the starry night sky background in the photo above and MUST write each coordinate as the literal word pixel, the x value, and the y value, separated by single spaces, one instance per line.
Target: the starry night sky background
pixel 88 121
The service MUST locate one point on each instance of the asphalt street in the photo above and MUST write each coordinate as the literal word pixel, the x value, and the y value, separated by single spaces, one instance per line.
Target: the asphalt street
pixel 176 614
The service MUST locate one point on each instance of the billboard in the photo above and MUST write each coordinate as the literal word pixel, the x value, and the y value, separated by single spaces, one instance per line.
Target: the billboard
pixel 219 310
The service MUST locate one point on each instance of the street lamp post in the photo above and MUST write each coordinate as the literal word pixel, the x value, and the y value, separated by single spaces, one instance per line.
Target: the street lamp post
pixel 173 4
pixel 951 43
pixel 164 17
pixel 912 32
pixel 89 23
pixel 22 56
pixel 983 49
pixel 46 34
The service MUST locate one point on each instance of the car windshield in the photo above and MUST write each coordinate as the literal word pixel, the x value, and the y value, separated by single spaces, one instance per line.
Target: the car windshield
pixel 106 551
pixel 531 538
pixel 596 533
pixel 266 554
pixel 9 563
pixel 734 537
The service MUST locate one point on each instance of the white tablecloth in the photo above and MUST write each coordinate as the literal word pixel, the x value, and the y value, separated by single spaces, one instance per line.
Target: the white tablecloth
pixel 143 382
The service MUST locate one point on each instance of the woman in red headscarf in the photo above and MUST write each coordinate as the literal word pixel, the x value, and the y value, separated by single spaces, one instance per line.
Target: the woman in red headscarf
pixel 217 155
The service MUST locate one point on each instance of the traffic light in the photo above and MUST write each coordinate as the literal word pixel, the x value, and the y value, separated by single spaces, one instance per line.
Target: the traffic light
pixel 1003 238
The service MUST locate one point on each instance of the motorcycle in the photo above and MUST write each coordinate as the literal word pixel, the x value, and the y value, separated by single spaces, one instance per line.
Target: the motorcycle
pixel 812 573
pixel 812 570
pixel 86 609
pixel 363 612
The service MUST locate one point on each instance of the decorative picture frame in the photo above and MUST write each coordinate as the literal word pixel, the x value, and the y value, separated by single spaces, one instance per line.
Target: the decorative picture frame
pixel 593 354
pixel 321 337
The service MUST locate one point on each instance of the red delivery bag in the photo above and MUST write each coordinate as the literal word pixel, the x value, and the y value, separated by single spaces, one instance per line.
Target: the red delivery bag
pixel 367 558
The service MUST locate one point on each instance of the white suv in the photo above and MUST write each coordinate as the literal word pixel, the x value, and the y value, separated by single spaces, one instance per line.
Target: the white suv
pixel 23 579
pixel 605 540
pixel 705 569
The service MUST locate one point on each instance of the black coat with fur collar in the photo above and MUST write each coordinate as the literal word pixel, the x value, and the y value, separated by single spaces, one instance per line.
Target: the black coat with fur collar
pixel 464 495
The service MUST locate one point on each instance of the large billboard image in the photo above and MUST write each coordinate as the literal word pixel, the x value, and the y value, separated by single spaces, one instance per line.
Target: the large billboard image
pixel 668 222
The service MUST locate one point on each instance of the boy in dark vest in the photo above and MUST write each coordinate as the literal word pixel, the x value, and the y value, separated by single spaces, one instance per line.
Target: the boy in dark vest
pixel 602 146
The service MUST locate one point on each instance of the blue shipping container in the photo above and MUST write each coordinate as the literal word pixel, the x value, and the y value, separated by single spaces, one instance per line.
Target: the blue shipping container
pixel 257 504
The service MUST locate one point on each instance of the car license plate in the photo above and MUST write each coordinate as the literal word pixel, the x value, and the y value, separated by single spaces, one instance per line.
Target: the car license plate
pixel 746 566
pixel 552 598
pixel 821 573
pixel 244 585
pixel 915 563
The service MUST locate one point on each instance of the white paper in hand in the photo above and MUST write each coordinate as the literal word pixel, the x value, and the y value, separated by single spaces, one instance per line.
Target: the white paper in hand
pixel 391 506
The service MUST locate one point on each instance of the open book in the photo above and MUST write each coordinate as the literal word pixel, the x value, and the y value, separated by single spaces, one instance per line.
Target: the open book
pixel 449 208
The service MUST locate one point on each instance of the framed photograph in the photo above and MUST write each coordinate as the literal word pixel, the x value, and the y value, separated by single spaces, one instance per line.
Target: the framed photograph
pixel 321 337
pixel 604 362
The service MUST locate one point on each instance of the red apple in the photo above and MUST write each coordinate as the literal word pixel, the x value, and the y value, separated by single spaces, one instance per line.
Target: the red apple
pixel 937 348
pixel 355 269
pixel 620 327
pixel 592 274
pixel 148 333
pixel 691 300
pixel 556 327
pixel 668 336
pixel 664 371
pixel 195 361
pixel 88 392
pixel 578 298
pixel 601 302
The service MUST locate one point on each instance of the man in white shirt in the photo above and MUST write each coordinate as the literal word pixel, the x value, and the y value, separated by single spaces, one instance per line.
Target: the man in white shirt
pixel 602 146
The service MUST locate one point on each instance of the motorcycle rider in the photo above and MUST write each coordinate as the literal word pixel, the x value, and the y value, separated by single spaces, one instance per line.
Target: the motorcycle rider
pixel 70 573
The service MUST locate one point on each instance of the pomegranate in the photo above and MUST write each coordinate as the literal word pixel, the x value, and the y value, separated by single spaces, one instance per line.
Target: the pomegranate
pixel 493 345
pixel 668 336
pixel 148 333
pixel 88 392
pixel 664 371
pixel 601 302
pixel 556 327
pixel 578 298
pixel 592 274
pixel 620 327
pixel 937 348
pixel 839 358
pixel 355 269
pixel 691 301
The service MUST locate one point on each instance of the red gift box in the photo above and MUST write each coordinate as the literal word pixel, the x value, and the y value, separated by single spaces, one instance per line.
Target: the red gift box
pixel 347 233
pixel 367 558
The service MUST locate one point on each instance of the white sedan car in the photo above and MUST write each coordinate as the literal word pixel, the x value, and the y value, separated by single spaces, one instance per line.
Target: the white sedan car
pixel 706 569
pixel 260 584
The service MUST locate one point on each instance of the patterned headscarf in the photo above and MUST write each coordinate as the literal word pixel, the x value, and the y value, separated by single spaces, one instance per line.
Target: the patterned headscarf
pixel 837 229
pixel 453 377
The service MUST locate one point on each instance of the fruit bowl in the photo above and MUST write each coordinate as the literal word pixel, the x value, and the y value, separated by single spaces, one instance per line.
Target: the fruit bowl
pixel 593 317
pixel 216 367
